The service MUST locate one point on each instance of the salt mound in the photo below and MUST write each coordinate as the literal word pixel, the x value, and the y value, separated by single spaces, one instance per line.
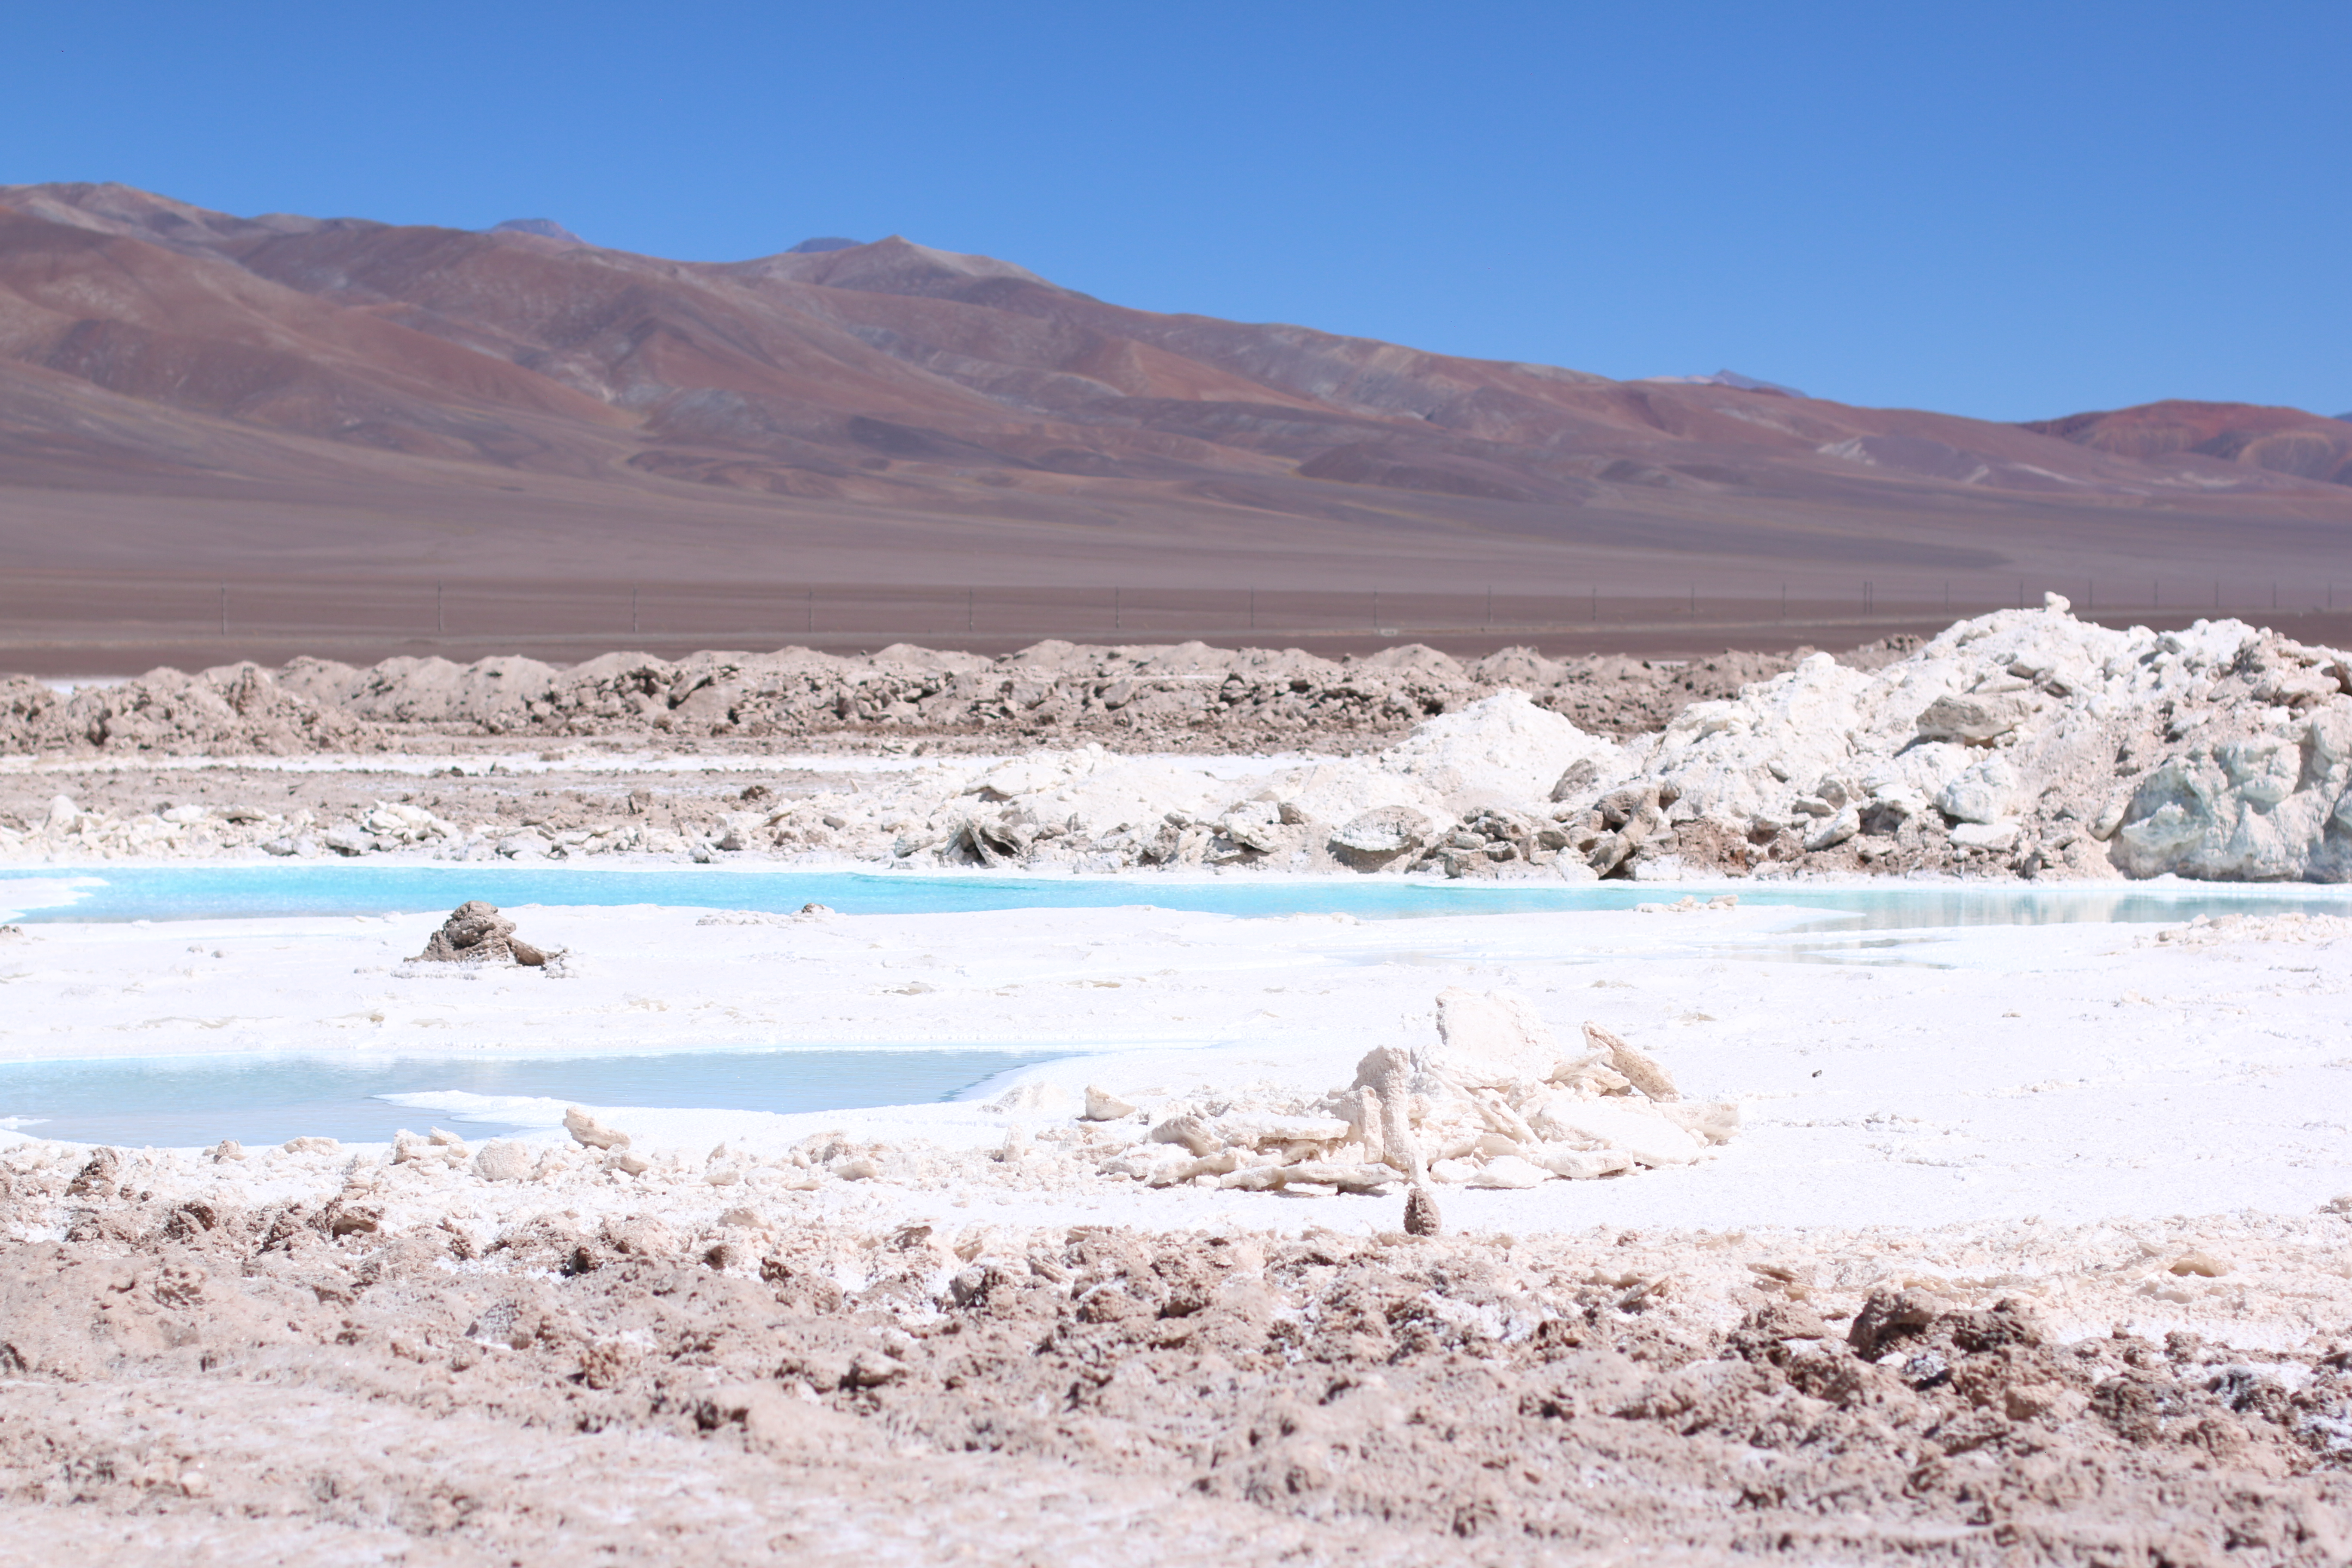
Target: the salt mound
pixel 1502 750
pixel 1494 1102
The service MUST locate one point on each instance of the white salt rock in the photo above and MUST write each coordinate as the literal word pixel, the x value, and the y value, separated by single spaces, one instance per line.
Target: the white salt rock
pixel 504 1160
pixel 1454 1172
pixel 589 1132
pixel 1495 1038
pixel 1050 1099
pixel 1578 1164
pixel 1993 836
pixel 1632 1127
pixel 1104 1106
pixel 1509 1172
pixel 1263 1128
pixel 1711 1121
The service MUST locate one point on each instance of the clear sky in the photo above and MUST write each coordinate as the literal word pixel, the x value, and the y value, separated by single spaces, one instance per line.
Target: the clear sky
pixel 2011 210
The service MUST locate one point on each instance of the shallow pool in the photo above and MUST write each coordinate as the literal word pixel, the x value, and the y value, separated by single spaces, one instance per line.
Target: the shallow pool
pixel 225 892
pixel 183 1101
pixel 241 892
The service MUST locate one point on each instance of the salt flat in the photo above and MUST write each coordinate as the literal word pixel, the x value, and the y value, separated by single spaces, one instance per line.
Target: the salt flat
pixel 2075 1073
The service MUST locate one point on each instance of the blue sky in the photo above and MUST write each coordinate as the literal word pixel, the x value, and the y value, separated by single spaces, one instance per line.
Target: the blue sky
pixel 2000 209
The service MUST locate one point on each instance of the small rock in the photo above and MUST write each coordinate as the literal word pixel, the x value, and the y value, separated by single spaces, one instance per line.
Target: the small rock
pixel 1972 720
pixel 504 1160
pixel 1636 1069
pixel 310 1145
pixel 1189 1133
pixel 349 841
pixel 1509 1173
pixel 1889 1315
pixel 1836 830
pixel 1993 836
pixel 629 1164
pixel 1383 830
pixel 476 932
pixel 96 1178
pixel 1421 1216
pixel 1715 1122
pixel 1104 1106
pixel 588 1132
pixel 2203 1264
pixel 1579 1165
pixel 1581 776
pixel 226 1149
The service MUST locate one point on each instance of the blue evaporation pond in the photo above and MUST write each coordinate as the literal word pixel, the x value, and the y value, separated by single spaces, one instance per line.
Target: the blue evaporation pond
pixel 187 1101
pixel 224 892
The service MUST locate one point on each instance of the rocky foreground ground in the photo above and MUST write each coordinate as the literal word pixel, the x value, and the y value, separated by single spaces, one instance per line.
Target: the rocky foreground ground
pixel 292 1366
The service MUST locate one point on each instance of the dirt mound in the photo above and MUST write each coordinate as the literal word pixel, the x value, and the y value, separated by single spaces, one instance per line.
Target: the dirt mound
pixel 1188 697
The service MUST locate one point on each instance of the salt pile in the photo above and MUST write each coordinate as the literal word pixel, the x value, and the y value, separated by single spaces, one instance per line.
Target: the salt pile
pixel 1495 1103
pixel 2020 743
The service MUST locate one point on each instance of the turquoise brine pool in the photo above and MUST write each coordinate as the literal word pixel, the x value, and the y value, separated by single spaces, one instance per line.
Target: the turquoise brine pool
pixel 245 891
pixel 184 1101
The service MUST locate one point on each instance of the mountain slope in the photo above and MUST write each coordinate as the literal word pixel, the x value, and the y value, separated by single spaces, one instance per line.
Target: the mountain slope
pixel 890 410
pixel 2275 440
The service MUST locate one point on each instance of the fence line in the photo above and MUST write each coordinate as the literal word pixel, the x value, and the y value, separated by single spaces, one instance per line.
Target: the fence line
pixel 83 608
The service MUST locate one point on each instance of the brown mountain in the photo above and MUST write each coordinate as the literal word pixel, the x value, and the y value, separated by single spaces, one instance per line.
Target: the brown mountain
pixel 186 392
pixel 2275 440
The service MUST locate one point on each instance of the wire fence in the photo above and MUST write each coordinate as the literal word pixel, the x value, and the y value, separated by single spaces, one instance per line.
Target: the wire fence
pixel 324 616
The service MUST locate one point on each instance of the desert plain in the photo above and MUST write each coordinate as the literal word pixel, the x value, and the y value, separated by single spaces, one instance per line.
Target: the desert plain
pixel 1476 1072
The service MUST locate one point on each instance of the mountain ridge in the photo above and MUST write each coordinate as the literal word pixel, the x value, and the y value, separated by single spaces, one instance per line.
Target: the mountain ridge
pixel 964 401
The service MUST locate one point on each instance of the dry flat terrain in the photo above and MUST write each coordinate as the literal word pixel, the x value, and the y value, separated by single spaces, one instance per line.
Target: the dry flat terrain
pixel 330 418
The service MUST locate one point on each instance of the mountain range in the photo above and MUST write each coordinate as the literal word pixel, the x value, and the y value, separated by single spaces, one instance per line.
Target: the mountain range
pixel 184 389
